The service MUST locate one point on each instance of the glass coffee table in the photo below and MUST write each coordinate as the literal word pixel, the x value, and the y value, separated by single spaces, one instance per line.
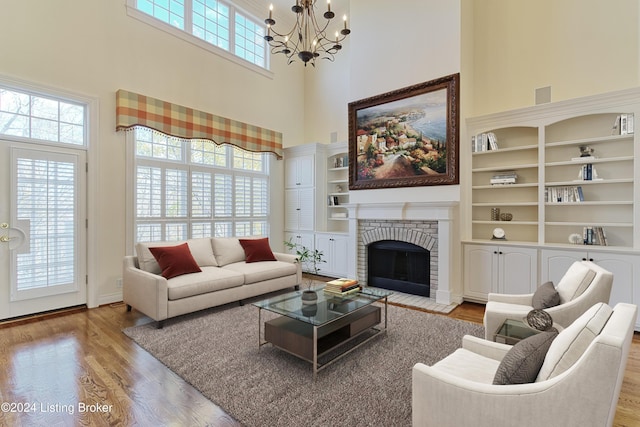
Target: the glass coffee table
pixel 311 331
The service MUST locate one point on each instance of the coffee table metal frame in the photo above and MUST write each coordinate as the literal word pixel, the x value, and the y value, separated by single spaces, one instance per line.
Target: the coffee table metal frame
pixel 372 295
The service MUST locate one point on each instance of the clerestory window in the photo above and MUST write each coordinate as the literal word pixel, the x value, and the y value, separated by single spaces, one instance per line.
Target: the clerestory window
pixel 219 24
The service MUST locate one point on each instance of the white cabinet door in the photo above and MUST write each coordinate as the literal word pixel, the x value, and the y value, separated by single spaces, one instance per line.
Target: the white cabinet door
pixel 334 249
pixel 625 275
pixel 299 209
pixel 518 270
pixel 480 271
pixel 299 171
pixel 503 269
pixel 306 209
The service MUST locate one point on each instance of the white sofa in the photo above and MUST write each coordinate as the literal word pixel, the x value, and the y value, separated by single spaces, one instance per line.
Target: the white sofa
pixel 577 385
pixel 225 278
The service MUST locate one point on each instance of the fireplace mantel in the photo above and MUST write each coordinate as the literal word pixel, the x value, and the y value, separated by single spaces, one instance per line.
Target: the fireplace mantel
pixel 403 210
pixel 445 213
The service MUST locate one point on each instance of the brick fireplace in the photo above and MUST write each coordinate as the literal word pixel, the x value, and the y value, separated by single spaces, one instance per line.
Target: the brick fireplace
pixel 428 225
pixel 423 234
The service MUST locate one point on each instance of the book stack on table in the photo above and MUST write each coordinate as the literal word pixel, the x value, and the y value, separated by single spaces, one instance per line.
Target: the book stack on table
pixel 342 287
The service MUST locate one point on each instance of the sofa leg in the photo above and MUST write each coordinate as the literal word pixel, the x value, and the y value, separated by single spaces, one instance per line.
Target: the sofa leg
pixel 159 324
pixel 128 307
pixel 296 287
pixel 241 303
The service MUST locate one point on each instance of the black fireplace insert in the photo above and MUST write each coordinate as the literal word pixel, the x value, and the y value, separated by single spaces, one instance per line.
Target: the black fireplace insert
pixel 399 266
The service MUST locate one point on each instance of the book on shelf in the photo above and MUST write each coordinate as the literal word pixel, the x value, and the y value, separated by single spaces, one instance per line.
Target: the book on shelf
pixel 623 125
pixel 484 142
pixel 594 235
pixel 564 194
pixel 588 173
pixel 505 177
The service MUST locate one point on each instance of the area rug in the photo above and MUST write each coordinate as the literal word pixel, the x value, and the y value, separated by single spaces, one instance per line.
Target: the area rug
pixel 217 352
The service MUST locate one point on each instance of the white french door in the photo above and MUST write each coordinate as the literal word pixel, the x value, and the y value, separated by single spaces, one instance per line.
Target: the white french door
pixel 42 228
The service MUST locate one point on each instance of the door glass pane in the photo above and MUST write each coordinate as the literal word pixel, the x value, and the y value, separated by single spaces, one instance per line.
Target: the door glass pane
pixel 46 199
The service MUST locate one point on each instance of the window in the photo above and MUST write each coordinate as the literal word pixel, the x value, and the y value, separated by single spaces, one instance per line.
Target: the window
pixel 33 116
pixel 217 23
pixel 187 189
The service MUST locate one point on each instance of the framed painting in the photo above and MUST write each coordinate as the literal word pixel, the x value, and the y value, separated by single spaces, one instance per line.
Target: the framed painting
pixel 405 138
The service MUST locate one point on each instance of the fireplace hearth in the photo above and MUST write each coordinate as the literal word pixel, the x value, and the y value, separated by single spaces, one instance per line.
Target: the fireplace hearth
pixel 399 266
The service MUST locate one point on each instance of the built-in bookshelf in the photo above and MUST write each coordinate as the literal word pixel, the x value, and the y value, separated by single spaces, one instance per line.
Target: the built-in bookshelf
pixel 556 175
pixel 505 180
pixel 337 189
pixel 605 177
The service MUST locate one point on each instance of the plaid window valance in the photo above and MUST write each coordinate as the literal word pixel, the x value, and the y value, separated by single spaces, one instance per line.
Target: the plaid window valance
pixel 134 110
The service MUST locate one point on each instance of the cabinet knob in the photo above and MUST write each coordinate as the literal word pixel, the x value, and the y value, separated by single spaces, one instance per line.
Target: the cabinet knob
pixel 591 259
pixel 584 259
pixel 495 252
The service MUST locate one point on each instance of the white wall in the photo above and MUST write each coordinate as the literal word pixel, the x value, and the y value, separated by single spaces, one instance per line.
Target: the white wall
pixel 392 45
pixel 94 48
pixel 578 47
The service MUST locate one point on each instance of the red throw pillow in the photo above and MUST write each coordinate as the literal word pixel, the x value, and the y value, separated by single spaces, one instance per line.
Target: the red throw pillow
pixel 175 260
pixel 257 250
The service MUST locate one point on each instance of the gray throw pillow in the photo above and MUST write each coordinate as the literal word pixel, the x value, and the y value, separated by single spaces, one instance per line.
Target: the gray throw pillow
pixel 522 363
pixel 545 296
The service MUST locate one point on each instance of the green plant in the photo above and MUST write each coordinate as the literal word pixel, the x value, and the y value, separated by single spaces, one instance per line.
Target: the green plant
pixel 310 259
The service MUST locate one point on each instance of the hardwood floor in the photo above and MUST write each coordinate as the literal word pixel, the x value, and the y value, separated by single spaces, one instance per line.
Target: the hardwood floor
pixel 78 368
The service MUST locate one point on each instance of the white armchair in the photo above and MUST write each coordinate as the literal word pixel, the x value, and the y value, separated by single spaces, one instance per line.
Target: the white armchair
pixel 583 285
pixel 578 384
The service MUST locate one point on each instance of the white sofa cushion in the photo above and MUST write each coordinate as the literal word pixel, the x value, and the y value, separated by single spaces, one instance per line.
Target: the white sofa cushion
pixel 227 250
pixel 209 280
pixel 575 281
pixel 572 342
pixel 201 251
pixel 263 270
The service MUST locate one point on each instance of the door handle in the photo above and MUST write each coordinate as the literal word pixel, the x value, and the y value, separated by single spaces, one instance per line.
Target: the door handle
pixel 4 225
pixel 5 239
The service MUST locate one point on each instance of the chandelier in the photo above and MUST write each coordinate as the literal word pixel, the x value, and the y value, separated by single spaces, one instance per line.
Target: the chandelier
pixel 307 39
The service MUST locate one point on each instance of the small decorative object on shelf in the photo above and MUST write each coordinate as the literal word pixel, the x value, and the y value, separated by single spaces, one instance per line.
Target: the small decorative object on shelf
pixel 506 216
pixel 538 319
pixel 495 214
pixel 575 239
pixel 338 189
pixel 586 151
pixel 498 234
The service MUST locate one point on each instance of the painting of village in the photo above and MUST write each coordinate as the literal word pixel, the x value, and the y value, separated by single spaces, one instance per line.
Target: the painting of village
pixel 403 138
